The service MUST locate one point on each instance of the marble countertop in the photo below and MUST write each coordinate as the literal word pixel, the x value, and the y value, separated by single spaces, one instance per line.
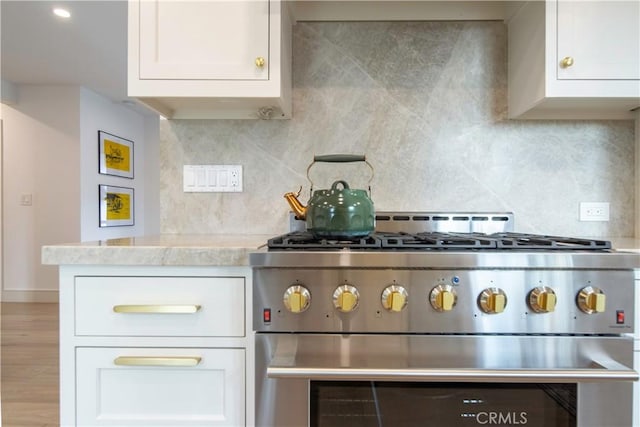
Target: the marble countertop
pixel 627 244
pixel 175 250
pixel 167 249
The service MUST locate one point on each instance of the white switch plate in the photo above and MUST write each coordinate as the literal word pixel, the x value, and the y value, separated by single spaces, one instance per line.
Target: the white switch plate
pixel 26 199
pixel 212 178
pixel 594 211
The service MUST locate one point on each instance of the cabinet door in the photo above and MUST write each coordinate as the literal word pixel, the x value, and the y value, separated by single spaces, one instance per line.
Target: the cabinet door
pixel 204 39
pixel 207 391
pixel 602 37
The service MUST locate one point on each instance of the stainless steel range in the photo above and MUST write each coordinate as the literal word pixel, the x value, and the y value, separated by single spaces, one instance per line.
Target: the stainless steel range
pixel 444 320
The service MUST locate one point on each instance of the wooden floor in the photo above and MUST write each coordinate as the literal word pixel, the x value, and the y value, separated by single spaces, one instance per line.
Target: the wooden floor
pixel 29 365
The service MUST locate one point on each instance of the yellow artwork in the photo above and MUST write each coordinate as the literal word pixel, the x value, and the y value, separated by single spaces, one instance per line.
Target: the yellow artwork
pixel 117 156
pixel 118 206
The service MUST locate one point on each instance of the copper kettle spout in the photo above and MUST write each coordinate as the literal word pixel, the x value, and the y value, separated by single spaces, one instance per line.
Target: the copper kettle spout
pixel 298 208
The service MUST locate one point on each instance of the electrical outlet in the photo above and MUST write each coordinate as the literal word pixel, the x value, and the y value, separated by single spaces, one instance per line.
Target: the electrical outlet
pixel 594 211
pixel 235 177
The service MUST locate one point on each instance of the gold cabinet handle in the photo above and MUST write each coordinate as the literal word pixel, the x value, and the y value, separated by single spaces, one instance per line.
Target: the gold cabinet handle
pixel 148 309
pixel 260 62
pixel 156 361
pixel 566 62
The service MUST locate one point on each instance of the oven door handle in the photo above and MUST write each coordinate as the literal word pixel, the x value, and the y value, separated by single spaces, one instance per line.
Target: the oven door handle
pixel 609 371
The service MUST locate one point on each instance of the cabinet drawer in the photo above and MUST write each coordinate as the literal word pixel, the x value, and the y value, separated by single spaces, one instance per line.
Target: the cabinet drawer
pixel 160 306
pixel 160 387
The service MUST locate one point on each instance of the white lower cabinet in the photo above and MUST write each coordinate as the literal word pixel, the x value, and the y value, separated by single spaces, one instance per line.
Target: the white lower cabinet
pixel 155 346
pixel 160 387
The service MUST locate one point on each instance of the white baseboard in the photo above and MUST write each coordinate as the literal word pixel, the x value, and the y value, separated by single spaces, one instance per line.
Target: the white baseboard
pixel 29 296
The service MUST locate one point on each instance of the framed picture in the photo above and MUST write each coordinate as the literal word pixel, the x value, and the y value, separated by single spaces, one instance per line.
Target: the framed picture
pixel 116 206
pixel 116 155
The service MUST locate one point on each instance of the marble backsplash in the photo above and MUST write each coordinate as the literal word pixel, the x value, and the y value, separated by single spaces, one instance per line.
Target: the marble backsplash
pixel 426 102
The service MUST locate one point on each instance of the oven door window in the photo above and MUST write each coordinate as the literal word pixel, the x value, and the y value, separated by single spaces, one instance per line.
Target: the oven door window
pixel 391 404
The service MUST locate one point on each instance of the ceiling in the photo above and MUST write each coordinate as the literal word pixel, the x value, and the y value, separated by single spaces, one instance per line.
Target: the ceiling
pixel 89 49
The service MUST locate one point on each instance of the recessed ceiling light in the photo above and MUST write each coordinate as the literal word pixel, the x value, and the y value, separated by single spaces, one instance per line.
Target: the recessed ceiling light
pixel 63 13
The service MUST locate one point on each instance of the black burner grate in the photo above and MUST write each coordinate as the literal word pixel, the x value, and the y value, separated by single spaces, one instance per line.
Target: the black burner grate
pixel 435 241
pixel 532 241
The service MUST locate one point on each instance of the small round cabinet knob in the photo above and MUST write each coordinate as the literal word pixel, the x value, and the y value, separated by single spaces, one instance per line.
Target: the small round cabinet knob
pixel 394 298
pixel 346 298
pixel 542 299
pixel 492 300
pixel 443 298
pixel 566 62
pixel 297 298
pixel 591 300
pixel 260 61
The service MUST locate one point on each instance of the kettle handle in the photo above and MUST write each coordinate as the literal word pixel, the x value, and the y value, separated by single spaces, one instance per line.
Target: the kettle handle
pixel 340 158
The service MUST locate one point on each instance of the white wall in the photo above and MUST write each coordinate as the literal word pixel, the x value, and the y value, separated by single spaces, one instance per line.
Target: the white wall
pixel 41 155
pixel 151 174
pixel 98 113
pixel 50 150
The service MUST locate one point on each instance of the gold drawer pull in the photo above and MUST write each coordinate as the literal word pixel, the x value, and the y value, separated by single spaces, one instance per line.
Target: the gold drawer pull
pixel 146 309
pixel 566 62
pixel 156 361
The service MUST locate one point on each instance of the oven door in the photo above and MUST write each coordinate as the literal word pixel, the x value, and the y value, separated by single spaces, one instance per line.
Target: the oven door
pixel 336 380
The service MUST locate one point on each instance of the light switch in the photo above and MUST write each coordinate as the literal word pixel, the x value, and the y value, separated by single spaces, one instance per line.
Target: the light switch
pixel 222 178
pixel 212 176
pixel 201 177
pixel 189 178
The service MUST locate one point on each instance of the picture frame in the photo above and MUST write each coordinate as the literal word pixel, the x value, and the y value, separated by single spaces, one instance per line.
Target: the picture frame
pixel 117 206
pixel 115 155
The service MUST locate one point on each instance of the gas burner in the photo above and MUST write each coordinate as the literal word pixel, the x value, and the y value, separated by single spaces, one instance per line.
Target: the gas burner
pixel 306 241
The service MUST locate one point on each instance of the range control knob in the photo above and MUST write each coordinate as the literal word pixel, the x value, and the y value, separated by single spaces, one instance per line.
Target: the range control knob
pixel 443 298
pixel 297 298
pixel 591 300
pixel 394 298
pixel 345 298
pixel 492 300
pixel 542 299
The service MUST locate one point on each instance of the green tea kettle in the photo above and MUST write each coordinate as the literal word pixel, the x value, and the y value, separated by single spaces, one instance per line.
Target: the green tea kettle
pixel 339 212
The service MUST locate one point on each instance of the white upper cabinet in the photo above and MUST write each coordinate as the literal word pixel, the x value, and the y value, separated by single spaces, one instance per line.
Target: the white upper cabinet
pixel 602 39
pixel 575 59
pixel 210 58
pixel 204 40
